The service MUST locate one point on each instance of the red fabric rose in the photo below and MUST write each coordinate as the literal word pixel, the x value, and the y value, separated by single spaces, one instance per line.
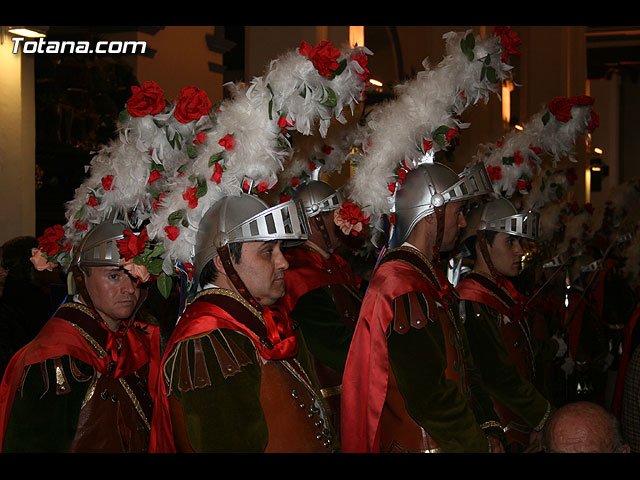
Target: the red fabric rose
pixel 107 180
pixel 427 145
pixel 190 196
pixel 132 244
pixel 327 149
pixel 228 142
pixel 153 176
pixel 495 173
pixel 350 219
pixel 157 203
pixel 523 185
pixel 262 187
pixel 200 138
pixel 583 100
pixel 217 173
pixel 80 225
pixel 193 103
pixel 362 59
pixel 147 99
pixel 560 107
pixel 518 159
pixel 172 232
pixel 323 56
pixel 295 181
pixel 392 187
pixel 92 202
pixel 509 41
pixel 451 134
pixel 49 241
pixel 312 166
pixel 536 150
pixel 284 198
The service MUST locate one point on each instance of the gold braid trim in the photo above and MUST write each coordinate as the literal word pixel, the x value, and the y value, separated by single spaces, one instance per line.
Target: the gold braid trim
pixel 101 352
pixel 228 293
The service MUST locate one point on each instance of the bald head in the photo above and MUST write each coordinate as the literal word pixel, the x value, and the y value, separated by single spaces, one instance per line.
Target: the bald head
pixel 583 427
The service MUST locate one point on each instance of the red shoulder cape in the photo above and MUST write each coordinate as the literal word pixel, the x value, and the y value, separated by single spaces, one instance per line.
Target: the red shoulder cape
pixel 365 379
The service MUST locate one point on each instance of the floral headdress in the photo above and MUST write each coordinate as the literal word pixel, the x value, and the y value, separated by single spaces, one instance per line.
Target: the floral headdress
pixel 301 90
pixel 128 176
pixel 424 118
pixel 514 161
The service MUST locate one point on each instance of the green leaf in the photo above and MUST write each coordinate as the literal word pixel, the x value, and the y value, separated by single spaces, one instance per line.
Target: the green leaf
pixel 79 213
pixel 175 217
pixel 165 284
pixel 192 151
pixel 331 99
pixel 155 266
pixel 341 66
pixel 202 187
pixel 545 118
pixel 215 158
pixel 507 160
pixel 441 130
pixel 123 116
pixel 491 75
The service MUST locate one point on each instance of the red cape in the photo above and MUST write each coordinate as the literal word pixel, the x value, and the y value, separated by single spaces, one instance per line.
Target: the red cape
pixel 364 384
pixel 59 337
pixel 309 270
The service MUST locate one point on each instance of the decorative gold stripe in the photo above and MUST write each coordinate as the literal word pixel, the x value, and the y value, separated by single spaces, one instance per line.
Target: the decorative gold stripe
pixel 490 424
pixel 90 391
pixel 135 402
pixel 228 293
pixel 331 391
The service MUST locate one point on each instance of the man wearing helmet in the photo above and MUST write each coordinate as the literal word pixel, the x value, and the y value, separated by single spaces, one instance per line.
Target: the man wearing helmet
pixel 323 293
pixel 235 375
pixel 495 317
pixel 409 378
pixel 82 384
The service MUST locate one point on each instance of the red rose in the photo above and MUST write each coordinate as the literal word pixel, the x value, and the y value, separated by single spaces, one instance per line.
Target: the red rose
pixel 148 99
pixel 392 187
pixel 284 198
pixel 92 202
pixel 217 173
pixel 262 187
pixel 583 100
pixel 156 204
pixel 172 232
pixel 107 180
pixel 495 173
pixel 323 56
pixel 326 149
pixel 312 165
pixel 451 134
pixel 509 41
pixel 49 241
pixel 402 174
pixel 560 107
pixel 193 103
pixel 518 159
pixel 132 244
pixel 200 138
pixel 283 123
pixel 295 181
pixel 523 185
pixel 427 145
pixel 80 225
pixel 228 142
pixel 153 176
pixel 536 150
pixel 362 60
pixel 190 195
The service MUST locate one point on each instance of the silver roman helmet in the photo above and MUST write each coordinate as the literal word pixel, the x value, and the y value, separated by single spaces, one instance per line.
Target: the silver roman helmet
pixel 99 247
pixel 431 186
pixel 318 197
pixel 246 218
pixel 499 215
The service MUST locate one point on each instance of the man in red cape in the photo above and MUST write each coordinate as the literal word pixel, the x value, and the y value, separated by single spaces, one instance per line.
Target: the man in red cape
pixel 322 292
pixel 496 319
pixel 409 383
pixel 235 376
pixel 83 384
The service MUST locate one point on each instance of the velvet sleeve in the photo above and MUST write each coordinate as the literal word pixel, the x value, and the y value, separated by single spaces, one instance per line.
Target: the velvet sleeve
pixel 42 420
pixel 326 334
pixel 418 361
pixel 501 377
pixel 225 416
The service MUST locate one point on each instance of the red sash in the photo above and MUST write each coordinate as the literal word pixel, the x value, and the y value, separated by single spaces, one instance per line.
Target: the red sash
pixel 366 375
pixel 309 270
pixel 60 337
pixel 274 339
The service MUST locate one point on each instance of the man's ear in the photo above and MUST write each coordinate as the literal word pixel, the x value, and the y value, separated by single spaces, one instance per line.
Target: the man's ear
pixel 217 262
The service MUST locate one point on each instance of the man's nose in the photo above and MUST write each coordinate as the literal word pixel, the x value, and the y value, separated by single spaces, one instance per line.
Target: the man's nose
pixel 281 262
